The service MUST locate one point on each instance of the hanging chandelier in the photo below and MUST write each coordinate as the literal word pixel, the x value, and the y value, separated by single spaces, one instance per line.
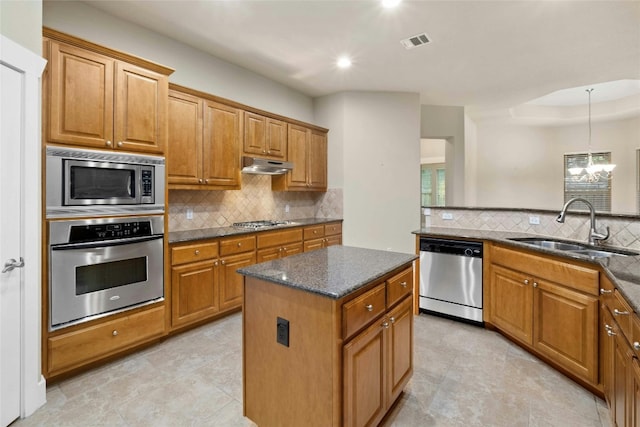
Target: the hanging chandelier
pixel 593 172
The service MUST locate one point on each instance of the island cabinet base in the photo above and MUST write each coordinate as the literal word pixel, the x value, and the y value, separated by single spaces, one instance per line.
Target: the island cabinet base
pixel 298 385
pixel 309 372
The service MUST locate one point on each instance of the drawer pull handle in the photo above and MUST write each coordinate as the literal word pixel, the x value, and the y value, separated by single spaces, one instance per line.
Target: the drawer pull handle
pixel 403 284
pixel 605 291
pixel 197 252
pixel 369 307
pixel 636 345
pixel 611 333
pixel 114 333
pixel 617 312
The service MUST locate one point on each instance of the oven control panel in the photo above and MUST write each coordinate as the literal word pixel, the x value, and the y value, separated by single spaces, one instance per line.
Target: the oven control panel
pixel 120 230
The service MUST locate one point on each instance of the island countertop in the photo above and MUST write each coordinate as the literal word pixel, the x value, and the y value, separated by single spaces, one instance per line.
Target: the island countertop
pixel 333 272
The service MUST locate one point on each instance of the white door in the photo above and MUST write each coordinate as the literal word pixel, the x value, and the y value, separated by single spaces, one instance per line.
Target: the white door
pixel 10 248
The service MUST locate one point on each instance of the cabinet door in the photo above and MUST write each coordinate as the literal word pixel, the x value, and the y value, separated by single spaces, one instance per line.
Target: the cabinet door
pixel 194 292
pixel 255 134
pixel 184 154
pixel 141 109
pixel 221 157
pixel 317 174
pixel 607 346
pixel 298 146
pixel 511 296
pixel 365 381
pixel 621 379
pixel 81 97
pixel 635 393
pixel 400 342
pixel 231 283
pixel 276 141
pixel 565 329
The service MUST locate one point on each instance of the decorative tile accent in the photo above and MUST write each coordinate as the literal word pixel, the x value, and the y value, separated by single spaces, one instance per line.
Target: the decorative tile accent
pixel 255 201
pixel 624 232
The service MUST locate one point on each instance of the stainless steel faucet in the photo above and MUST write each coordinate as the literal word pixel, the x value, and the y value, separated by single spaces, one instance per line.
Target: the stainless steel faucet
pixel 595 238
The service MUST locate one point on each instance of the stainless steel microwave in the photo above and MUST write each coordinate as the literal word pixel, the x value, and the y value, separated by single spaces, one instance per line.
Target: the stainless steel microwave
pixel 94 183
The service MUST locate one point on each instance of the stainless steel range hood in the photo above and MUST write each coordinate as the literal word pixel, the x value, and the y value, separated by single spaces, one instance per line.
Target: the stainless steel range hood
pixel 260 166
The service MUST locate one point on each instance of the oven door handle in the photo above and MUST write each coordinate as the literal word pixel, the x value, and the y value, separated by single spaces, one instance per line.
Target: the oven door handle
pixel 105 243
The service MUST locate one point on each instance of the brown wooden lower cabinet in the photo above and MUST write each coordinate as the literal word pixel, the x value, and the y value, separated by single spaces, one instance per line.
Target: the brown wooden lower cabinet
pixel 83 345
pixel 347 360
pixel 231 283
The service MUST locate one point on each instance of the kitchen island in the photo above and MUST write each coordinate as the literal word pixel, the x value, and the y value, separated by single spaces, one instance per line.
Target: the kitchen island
pixel 327 337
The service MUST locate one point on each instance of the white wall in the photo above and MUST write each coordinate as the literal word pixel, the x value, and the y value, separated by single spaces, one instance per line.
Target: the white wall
pixel 379 149
pixel 448 122
pixel 193 68
pixel 521 166
pixel 21 21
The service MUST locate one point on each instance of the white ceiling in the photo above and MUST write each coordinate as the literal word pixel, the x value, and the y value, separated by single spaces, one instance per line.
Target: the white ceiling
pixel 483 53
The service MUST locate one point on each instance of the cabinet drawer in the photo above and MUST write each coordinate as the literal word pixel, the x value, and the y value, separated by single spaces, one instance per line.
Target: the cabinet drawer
pixel 86 345
pixel 332 229
pixel 237 245
pixel 194 252
pixel 276 238
pixel 622 313
pixel 313 232
pixel 399 286
pixel 359 312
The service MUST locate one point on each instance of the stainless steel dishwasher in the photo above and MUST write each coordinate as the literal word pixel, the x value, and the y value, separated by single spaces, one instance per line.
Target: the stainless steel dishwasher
pixel 451 278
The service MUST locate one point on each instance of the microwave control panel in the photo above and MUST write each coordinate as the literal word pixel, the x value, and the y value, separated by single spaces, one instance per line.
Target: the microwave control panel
pixel 121 230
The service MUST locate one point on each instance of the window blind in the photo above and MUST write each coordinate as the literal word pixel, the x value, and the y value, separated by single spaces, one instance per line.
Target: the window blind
pixel 598 192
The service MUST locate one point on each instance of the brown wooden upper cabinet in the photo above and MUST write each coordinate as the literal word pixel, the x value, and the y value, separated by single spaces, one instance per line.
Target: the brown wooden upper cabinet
pixel 307 150
pixel 204 143
pixel 97 100
pixel 264 136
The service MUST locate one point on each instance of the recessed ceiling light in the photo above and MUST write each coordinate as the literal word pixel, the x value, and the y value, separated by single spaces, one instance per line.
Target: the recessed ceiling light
pixel 388 4
pixel 343 62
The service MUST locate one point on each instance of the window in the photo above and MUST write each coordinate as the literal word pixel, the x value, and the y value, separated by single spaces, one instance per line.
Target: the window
pixel 432 184
pixel 596 192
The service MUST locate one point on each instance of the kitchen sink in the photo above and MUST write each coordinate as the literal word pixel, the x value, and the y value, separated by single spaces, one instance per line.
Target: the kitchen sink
pixel 574 247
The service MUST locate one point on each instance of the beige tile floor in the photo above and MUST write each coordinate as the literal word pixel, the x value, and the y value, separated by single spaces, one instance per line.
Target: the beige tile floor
pixel 464 376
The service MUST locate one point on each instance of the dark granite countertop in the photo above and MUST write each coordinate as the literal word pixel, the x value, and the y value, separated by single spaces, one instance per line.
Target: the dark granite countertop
pixel 624 271
pixel 211 233
pixel 333 272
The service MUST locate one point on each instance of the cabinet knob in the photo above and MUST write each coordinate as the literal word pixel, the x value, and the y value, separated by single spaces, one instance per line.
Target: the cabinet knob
pixel 108 143
pixel 392 319
pixel 284 249
pixel 617 312
pixel 206 181
pixel 315 231
pixel 264 151
pixel 200 181
pixel 119 143
pixel 605 291
pixel 222 262
pixel 385 324
pixel 268 151
pixel 239 244
pixel 215 263
pixel 197 252
pixel 403 284
pixel 114 333
pixel 369 307
pixel 636 345
pixel 526 281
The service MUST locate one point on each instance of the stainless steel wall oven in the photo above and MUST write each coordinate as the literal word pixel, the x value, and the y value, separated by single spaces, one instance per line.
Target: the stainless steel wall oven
pixel 104 265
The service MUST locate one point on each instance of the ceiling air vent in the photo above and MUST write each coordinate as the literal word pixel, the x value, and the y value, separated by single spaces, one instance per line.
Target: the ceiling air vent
pixel 415 41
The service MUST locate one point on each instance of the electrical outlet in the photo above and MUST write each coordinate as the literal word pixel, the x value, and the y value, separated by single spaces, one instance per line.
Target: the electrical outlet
pixel 189 213
pixel 447 215
pixel 534 220
pixel 282 331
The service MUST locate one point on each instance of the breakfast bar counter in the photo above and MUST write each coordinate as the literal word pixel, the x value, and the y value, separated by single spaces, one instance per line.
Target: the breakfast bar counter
pixel 327 336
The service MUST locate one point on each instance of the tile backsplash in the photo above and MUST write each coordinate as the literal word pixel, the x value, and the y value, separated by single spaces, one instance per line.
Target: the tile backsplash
pixel 624 230
pixel 255 201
